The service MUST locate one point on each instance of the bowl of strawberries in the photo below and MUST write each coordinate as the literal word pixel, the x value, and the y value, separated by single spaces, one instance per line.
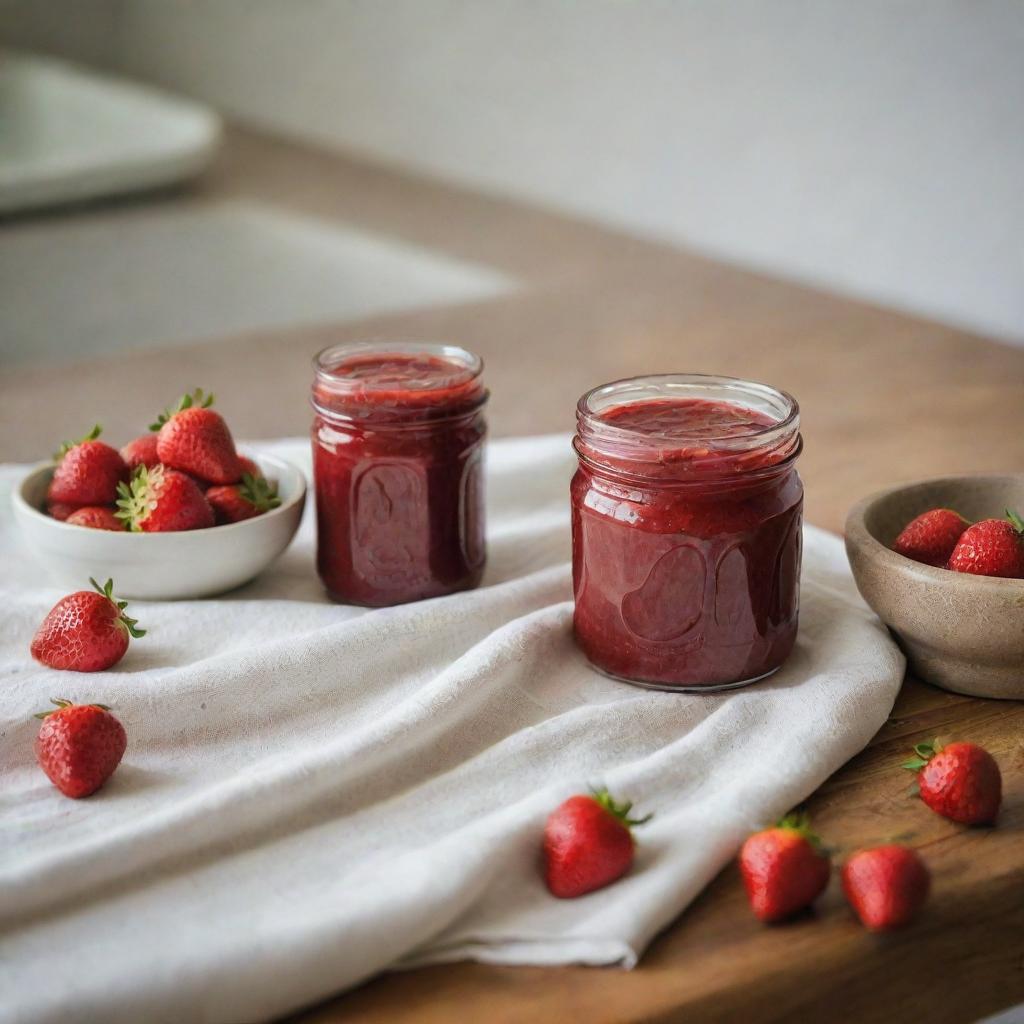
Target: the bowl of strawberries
pixel 942 564
pixel 176 513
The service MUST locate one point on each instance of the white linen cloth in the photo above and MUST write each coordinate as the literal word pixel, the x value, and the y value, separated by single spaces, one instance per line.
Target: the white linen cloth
pixel 312 793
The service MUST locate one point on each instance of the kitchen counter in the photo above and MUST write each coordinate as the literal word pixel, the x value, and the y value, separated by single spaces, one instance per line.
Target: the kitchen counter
pixel 558 306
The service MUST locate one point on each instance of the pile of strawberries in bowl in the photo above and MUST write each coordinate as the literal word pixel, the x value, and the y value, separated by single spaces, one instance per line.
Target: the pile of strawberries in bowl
pixel 944 539
pixel 183 475
pixel 176 514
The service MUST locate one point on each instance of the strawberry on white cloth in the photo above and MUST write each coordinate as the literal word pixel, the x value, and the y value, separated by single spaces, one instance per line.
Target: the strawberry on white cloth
pixel 312 793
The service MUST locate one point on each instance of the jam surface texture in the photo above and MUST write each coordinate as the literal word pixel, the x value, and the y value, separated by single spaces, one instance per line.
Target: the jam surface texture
pixel 397 464
pixel 686 520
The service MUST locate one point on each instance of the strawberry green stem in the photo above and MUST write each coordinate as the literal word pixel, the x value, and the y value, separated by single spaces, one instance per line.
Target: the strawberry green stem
pixel 63 703
pixel 925 752
pixel 107 590
pixel 195 398
pixel 68 445
pixel 620 811
pixel 259 492
pixel 799 821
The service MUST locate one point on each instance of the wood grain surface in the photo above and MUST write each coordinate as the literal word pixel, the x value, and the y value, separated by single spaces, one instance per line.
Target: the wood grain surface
pixel 885 398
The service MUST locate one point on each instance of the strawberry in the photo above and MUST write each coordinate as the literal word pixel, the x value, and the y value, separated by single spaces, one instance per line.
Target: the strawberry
pixel 886 886
pixel 79 746
pixel 960 781
pixel 588 843
pixel 160 500
pixel 784 869
pixel 931 537
pixel 195 439
pixel 993 547
pixel 87 631
pixel 141 452
pixel 98 517
pixel 249 466
pixel 252 497
pixel 60 511
pixel 87 473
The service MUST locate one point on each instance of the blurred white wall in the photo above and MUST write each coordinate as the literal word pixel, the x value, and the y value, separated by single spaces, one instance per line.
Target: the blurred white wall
pixel 876 147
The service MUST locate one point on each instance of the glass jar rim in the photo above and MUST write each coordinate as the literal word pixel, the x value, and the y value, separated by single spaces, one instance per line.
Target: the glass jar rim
pixel 773 444
pixel 733 389
pixel 469 362
pixel 395 403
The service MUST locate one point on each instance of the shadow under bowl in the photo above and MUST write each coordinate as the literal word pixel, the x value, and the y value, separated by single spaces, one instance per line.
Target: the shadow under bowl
pixel 961 632
pixel 160 566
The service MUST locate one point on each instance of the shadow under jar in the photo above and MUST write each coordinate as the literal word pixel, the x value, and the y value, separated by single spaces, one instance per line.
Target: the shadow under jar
pixel 686 530
pixel 397 466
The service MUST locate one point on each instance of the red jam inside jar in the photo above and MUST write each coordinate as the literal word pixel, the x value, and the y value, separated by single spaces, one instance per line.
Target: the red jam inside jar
pixel 686 530
pixel 397 465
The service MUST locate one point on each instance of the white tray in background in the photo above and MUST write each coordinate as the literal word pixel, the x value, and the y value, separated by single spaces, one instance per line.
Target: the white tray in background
pixel 67 134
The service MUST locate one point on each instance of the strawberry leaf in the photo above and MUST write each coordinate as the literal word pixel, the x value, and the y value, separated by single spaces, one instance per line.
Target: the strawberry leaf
pixel 134 497
pixel 107 590
pixel 617 810
pixel 1015 519
pixel 191 398
pixel 61 703
pixel 68 445
pixel 259 492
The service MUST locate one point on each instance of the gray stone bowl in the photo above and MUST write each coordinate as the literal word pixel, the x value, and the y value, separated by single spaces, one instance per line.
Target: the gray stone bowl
pixel 961 632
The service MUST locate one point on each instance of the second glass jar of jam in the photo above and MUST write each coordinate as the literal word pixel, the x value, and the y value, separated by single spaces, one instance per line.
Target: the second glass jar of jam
pixel 686 523
pixel 397 465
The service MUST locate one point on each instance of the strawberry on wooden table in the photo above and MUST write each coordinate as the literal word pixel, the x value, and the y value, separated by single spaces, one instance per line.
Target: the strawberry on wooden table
pixel 161 500
pixel 784 869
pixel 87 473
pixel 141 452
pixel 886 886
pixel 195 439
pixel 79 746
pixel 993 547
pixel 931 537
pixel 96 517
pixel 588 843
pixel 87 631
pixel 960 781
pixel 252 497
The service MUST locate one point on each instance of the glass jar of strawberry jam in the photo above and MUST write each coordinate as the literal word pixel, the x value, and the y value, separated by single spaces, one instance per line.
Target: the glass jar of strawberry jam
pixel 397 465
pixel 686 520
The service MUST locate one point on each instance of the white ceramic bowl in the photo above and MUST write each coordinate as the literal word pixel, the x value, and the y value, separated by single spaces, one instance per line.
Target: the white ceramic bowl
pixel 160 566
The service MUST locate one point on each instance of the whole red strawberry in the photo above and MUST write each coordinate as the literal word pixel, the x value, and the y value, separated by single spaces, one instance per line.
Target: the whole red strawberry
pixel 784 869
pixel 141 452
pixel 196 440
pixel 931 537
pixel 79 746
pixel 161 500
pixel 960 781
pixel 87 473
pixel 886 886
pixel 993 547
pixel 588 843
pixel 87 631
pixel 252 497
pixel 96 517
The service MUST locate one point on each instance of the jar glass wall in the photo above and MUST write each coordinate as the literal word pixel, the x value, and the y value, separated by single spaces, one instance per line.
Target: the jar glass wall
pixel 686 522
pixel 397 464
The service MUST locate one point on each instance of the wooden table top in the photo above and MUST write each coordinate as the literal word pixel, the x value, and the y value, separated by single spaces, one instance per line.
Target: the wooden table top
pixel 885 398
